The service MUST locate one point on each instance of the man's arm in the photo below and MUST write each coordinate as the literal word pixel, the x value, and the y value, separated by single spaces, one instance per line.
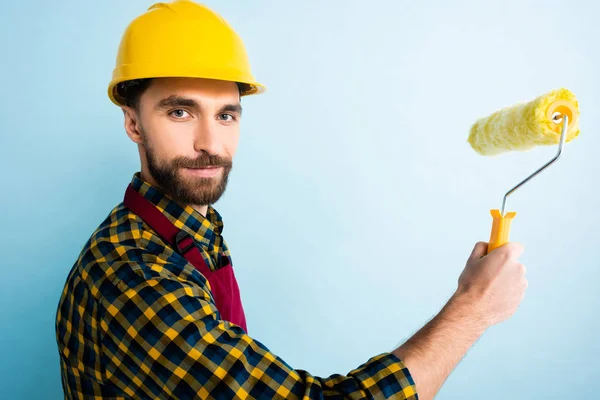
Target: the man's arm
pixel 490 290
pixel 163 337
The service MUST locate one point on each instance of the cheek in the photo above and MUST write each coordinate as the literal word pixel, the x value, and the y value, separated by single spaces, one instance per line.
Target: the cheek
pixel 233 141
pixel 171 139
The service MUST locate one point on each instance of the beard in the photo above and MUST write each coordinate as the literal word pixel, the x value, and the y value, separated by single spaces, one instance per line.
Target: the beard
pixel 190 190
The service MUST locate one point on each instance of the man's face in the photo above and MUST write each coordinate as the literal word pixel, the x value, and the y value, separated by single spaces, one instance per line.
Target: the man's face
pixel 189 132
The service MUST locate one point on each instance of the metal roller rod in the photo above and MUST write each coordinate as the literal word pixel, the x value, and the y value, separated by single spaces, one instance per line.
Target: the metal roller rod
pixel 556 119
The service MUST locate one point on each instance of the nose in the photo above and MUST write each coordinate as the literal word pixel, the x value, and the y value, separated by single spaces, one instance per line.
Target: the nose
pixel 206 138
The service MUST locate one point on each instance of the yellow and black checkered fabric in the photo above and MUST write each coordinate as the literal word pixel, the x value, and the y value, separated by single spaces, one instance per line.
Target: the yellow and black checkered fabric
pixel 136 320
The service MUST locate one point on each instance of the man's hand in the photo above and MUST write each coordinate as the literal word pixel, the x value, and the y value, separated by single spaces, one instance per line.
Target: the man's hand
pixel 494 284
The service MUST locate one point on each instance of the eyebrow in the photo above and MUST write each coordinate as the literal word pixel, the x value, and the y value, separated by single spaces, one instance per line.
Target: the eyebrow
pixel 180 101
pixel 176 101
pixel 232 108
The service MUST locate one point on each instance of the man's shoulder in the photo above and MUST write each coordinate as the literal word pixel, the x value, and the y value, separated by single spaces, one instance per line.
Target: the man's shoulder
pixel 120 248
pixel 118 238
pixel 124 252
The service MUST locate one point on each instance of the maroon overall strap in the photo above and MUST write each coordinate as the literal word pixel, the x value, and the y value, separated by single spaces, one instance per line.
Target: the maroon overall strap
pixel 223 283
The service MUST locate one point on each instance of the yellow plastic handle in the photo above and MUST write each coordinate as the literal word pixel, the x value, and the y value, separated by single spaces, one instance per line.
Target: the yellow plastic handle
pixel 500 229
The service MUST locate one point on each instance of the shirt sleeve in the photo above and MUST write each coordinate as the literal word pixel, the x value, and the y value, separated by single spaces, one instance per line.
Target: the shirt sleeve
pixel 162 337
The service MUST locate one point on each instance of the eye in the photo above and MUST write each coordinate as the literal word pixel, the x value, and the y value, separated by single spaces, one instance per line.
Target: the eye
pixel 226 117
pixel 179 114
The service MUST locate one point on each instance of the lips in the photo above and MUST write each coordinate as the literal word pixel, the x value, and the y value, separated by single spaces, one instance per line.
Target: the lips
pixel 205 172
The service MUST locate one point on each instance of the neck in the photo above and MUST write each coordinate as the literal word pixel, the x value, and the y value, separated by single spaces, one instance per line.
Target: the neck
pixel 201 209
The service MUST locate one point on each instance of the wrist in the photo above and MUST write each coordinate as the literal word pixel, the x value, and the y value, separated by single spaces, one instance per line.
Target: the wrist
pixel 462 310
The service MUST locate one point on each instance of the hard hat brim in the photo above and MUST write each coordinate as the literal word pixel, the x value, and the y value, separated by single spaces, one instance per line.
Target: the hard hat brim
pixel 253 86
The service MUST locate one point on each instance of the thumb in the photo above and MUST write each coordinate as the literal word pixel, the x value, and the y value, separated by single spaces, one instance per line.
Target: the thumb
pixel 479 251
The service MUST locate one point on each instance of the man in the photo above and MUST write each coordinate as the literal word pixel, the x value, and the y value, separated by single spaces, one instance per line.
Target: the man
pixel 151 309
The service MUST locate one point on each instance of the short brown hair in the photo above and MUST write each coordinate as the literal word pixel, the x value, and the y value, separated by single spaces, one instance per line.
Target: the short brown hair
pixel 132 90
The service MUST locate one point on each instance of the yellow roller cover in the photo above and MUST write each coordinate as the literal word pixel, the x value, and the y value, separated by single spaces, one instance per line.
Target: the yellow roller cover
pixel 523 126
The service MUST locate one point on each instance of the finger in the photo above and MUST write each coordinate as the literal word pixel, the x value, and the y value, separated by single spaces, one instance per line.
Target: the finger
pixel 514 250
pixel 479 251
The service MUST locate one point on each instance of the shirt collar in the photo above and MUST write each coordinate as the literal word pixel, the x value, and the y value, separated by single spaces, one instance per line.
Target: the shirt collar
pixel 205 230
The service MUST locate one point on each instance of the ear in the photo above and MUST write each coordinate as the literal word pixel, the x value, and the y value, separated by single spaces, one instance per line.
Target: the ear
pixel 132 126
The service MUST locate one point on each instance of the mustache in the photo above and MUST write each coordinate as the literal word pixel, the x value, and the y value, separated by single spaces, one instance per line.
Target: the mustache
pixel 202 161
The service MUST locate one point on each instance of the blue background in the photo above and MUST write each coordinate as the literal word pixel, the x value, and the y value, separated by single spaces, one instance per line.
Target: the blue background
pixel 355 199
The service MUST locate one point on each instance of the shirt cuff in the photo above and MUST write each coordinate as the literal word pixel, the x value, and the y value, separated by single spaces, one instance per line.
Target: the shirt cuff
pixel 386 376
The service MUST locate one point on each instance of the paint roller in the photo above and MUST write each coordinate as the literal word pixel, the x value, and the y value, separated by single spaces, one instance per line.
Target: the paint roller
pixel 550 119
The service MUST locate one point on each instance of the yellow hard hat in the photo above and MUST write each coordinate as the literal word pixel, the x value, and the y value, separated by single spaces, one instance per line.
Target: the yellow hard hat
pixel 181 38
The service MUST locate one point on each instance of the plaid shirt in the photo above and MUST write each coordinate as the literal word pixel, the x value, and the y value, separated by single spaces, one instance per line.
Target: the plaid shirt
pixel 136 320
